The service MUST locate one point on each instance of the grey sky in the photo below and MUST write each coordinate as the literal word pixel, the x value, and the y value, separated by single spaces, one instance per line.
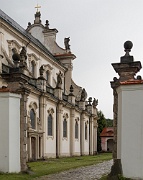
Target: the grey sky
pixel 97 29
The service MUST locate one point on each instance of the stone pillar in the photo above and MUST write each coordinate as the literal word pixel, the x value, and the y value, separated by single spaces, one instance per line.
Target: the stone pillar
pixel 82 133
pixel 126 69
pixel 58 129
pixel 9 132
pixel 72 132
pixel 41 84
pixel 58 93
pixel 91 136
pixel 90 110
pixel 43 119
pixel 95 125
pixel 29 154
pixel 82 105
pixel 23 129
pixel 71 99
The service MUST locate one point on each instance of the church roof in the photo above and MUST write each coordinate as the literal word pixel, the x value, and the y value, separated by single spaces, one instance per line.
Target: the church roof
pixel 21 30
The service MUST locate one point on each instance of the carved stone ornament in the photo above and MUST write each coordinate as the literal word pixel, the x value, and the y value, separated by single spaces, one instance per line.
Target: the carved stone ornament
pixel 65 116
pixel 51 111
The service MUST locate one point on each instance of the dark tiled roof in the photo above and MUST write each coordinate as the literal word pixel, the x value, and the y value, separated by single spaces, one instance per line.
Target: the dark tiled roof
pixel 21 30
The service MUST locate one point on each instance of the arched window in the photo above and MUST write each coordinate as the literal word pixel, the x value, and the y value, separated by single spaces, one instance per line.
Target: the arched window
pixel 32 117
pixel 76 130
pixel 33 68
pixel 85 131
pixel 50 122
pixel 65 128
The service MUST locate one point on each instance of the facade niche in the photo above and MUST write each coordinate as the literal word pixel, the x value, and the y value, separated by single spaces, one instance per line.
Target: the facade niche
pixel 33 68
pixel 32 118
pixel 65 128
pixel 76 130
pixel 85 131
pixel 50 125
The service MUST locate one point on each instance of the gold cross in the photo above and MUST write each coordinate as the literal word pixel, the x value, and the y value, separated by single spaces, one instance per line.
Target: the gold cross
pixel 37 7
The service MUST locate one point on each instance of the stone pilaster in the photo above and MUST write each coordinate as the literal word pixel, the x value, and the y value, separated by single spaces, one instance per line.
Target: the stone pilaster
pixel 23 130
pixel 91 135
pixel 71 99
pixel 58 93
pixel 72 132
pixel 41 84
pixel 43 118
pixel 95 126
pixel 58 129
pixel 82 133
pixel 82 105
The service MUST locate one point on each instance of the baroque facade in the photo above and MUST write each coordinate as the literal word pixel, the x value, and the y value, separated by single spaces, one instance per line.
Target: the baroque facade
pixel 55 117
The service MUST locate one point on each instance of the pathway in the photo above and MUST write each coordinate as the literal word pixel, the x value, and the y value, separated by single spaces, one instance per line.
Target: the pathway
pixel 93 172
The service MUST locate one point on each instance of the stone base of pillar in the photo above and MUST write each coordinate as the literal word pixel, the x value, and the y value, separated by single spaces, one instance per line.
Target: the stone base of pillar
pixel 116 169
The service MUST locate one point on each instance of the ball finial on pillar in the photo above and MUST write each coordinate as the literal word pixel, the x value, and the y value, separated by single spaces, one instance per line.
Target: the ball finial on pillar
pixel 128 46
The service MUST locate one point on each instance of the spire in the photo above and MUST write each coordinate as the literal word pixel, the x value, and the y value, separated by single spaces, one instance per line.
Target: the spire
pixel 37 7
pixel 37 15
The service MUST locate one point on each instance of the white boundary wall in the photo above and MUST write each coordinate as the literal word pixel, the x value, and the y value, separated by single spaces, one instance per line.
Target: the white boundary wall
pixel 130 130
pixel 9 132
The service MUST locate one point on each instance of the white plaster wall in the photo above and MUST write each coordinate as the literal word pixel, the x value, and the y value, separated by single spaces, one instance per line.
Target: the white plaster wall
pixel 65 142
pixel 30 50
pixel 77 146
pixel 130 130
pixel 77 141
pixel 86 142
pixel 50 140
pixel 37 32
pixel 9 132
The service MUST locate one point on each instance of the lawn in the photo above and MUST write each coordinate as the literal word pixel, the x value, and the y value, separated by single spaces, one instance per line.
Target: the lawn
pixel 51 166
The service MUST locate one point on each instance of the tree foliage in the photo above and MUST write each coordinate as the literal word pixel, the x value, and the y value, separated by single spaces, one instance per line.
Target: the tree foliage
pixel 109 122
pixel 101 125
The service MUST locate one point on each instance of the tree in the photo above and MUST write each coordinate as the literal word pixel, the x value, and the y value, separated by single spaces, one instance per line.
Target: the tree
pixel 101 125
pixel 109 122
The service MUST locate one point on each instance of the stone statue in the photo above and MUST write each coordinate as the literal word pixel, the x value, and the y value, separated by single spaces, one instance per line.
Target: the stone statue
pixel 83 95
pixel 15 56
pixel 66 42
pixel 90 100
pixel 95 102
pixel 23 57
pixel 59 80
pixel 42 69
pixel 28 122
pixel 39 124
pixel 23 52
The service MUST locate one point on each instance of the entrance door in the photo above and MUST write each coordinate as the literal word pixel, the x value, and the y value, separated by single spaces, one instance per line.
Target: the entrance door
pixel 33 148
pixel 110 145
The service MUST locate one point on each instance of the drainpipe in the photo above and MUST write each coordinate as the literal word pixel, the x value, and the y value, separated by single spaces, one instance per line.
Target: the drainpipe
pixel 57 156
pixel 80 135
pixel 89 135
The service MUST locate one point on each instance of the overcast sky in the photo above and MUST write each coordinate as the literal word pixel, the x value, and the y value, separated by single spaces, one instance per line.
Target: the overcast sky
pixel 97 29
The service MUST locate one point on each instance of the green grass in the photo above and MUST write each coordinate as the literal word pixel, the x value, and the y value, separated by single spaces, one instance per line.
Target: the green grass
pixel 51 166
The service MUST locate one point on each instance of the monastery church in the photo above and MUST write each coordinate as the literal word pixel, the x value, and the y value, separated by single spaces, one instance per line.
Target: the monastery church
pixel 43 112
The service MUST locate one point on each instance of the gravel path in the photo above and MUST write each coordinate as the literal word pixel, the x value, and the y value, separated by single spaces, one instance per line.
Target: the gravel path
pixel 93 172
